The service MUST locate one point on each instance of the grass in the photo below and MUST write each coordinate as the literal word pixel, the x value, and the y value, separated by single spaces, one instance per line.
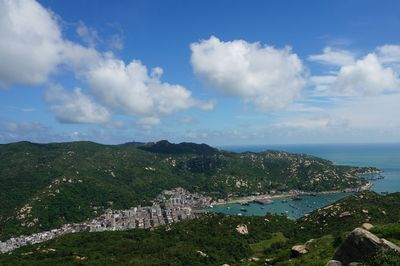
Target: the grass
pixel 321 252
pixel 390 232
pixel 258 248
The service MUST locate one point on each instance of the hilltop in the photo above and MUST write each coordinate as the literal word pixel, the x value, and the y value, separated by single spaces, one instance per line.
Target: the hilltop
pixel 47 185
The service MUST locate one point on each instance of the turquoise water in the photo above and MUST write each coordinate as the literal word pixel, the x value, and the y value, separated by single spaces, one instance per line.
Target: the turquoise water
pixel 383 156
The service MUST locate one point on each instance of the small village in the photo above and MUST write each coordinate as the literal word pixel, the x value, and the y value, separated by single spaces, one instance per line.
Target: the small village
pixel 171 206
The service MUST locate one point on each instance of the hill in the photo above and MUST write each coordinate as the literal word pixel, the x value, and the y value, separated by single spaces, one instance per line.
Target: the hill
pixel 215 240
pixel 163 146
pixel 47 185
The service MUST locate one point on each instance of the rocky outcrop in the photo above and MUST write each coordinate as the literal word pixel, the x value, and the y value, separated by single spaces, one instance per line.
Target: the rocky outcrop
pixel 334 263
pixel 242 229
pixel 367 226
pixel 201 253
pixel 345 214
pixel 360 245
pixel 298 250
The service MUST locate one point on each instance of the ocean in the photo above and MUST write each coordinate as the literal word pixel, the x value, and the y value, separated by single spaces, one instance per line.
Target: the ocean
pixel 384 156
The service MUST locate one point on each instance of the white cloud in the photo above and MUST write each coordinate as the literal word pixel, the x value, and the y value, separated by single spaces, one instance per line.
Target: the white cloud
pixel 132 90
pixel 271 78
pixel 366 77
pixel 148 122
pixel 331 56
pixel 32 47
pixel 88 35
pixel 389 53
pixel 305 123
pixel 30 43
pixel 372 74
pixel 116 42
pixel 75 107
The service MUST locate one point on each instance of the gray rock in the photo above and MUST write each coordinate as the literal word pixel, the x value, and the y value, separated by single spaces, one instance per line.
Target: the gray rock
pixel 334 263
pixel 298 250
pixel 359 245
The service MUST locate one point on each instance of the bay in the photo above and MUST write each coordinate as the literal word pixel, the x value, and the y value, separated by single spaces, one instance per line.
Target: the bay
pixel 384 156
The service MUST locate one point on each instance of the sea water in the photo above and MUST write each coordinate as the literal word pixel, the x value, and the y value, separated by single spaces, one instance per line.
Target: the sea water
pixel 383 156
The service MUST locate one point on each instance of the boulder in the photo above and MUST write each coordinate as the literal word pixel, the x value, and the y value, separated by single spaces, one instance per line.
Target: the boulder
pixel 201 253
pixel 345 214
pixel 334 263
pixel 360 245
pixel 298 250
pixel 367 226
pixel 242 229
pixel 309 244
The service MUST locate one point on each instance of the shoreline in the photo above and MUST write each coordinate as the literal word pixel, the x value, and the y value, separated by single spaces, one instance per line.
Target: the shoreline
pixel 248 199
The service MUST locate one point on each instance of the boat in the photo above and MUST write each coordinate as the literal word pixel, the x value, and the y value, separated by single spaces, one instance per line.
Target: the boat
pixel 263 201
pixel 239 214
pixel 243 209
pixel 297 198
pixel 262 207
pixel 284 201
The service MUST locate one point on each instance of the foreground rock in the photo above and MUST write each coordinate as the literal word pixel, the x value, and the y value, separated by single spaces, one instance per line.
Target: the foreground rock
pixel 334 263
pixel 367 226
pixel 298 250
pixel 360 245
pixel 242 229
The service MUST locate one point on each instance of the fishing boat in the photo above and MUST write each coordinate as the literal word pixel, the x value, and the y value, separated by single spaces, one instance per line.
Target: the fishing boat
pixel 296 198
pixel 263 201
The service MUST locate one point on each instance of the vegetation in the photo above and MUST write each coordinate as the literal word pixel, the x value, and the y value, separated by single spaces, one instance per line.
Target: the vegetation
pixel 270 238
pixel 47 185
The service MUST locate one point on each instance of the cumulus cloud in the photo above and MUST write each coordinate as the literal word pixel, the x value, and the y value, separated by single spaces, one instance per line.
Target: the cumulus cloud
pixel 372 74
pixel 32 47
pixel 335 57
pixel 389 53
pixel 271 78
pixel 131 89
pixel 75 107
pixel 366 77
pixel 30 43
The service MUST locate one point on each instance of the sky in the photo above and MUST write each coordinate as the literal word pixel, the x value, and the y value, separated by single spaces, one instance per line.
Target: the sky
pixel 217 72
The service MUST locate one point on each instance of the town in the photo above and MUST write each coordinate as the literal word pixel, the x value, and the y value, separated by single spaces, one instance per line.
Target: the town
pixel 171 206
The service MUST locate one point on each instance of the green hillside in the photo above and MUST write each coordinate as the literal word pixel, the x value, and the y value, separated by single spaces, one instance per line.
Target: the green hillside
pixel 269 238
pixel 47 185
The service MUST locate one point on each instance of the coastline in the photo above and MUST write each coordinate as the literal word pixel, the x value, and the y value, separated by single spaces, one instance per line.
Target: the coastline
pixel 247 199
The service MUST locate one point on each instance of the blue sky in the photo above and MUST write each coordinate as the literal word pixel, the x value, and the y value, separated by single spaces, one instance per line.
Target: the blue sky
pixel 219 72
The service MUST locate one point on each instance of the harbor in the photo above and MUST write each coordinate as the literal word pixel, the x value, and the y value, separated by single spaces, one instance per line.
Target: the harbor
pixel 293 208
